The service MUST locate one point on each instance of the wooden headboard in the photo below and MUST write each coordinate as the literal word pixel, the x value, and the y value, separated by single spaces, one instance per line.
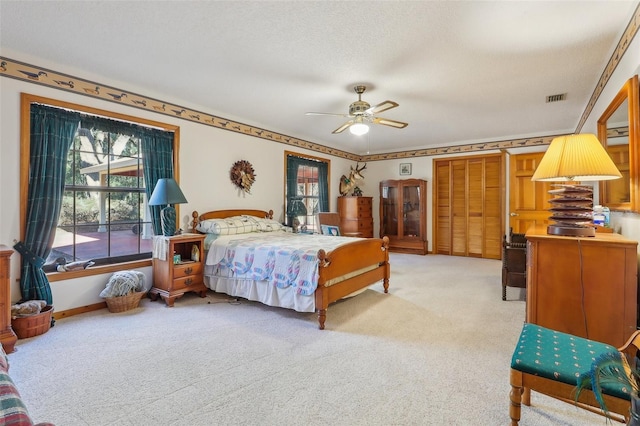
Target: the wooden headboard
pixel 222 214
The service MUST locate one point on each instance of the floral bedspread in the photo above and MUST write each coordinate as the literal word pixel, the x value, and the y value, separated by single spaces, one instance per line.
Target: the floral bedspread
pixel 281 258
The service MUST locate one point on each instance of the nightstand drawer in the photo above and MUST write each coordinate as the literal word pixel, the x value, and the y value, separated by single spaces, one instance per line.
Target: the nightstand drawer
pixel 186 282
pixel 187 269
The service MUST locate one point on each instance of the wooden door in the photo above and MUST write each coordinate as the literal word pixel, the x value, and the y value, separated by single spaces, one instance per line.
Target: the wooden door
pixel 468 206
pixel 442 207
pixel 528 201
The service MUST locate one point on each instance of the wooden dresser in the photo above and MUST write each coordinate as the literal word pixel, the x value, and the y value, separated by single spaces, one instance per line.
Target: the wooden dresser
pixel 8 337
pixel 173 279
pixel 356 215
pixel 586 286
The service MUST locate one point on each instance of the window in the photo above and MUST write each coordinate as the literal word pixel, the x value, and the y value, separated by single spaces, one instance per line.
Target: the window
pixel 307 190
pixel 104 215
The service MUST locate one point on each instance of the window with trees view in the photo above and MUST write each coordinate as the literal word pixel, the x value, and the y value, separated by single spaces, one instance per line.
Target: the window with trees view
pixel 104 212
pixel 104 215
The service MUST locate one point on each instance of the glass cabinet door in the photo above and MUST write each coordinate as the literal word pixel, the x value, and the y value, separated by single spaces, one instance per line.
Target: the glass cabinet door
pixel 389 200
pixel 411 211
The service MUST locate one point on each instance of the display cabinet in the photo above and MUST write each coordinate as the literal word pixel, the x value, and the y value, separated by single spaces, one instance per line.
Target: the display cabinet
pixel 403 215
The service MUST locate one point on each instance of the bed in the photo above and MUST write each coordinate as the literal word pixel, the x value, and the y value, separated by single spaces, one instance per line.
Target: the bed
pixel 250 255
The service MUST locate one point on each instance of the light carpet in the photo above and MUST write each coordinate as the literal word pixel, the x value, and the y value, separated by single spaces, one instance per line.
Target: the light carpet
pixel 435 351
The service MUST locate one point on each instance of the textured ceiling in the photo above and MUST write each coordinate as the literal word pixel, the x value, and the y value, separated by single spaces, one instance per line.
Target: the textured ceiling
pixel 461 71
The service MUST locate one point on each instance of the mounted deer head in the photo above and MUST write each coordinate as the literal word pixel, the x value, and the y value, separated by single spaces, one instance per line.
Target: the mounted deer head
pixel 348 183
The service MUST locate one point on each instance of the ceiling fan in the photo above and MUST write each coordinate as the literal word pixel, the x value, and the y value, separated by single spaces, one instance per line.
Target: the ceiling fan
pixel 361 113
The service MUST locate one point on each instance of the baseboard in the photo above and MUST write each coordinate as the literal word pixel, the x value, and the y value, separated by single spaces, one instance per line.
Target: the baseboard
pixel 79 310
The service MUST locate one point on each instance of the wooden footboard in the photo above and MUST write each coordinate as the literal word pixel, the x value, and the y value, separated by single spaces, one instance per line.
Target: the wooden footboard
pixel 342 271
pixel 370 255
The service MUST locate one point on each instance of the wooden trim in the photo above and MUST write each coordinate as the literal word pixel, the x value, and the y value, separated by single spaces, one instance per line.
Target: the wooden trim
pixel 97 270
pixel 80 310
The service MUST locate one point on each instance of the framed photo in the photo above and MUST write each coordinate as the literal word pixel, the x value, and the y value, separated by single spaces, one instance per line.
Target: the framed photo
pixel 330 230
pixel 405 169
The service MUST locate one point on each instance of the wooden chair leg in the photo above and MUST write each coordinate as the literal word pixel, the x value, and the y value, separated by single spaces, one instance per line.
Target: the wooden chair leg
pixel 514 409
pixel 515 396
pixel 526 397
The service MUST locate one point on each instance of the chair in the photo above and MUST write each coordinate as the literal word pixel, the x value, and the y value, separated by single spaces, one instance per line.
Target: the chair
pixel 550 362
pixel 514 262
pixel 333 220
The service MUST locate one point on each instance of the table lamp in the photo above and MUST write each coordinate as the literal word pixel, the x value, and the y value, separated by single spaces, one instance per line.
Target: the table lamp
pixel 167 192
pixel 574 158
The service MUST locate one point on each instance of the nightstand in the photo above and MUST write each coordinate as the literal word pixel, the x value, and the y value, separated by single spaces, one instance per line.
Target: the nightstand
pixel 172 280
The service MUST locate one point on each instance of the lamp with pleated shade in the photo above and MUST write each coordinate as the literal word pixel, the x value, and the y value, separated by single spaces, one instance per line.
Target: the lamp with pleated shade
pixel 574 158
pixel 167 192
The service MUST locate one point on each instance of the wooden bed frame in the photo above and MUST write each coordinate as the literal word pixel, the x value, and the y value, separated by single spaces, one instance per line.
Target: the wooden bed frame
pixel 359 254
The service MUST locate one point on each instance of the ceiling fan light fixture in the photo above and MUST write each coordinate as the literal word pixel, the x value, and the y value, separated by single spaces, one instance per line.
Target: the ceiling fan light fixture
pixel 359 129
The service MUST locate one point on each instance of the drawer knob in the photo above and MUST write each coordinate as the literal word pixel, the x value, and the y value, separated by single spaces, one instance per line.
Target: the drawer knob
pixel 188 281
pixel 188 270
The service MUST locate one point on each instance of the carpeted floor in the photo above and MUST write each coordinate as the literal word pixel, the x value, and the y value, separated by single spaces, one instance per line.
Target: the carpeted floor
pixel 435 351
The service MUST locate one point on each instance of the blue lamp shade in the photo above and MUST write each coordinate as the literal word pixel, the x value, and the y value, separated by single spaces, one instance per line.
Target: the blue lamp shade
pixel 167 192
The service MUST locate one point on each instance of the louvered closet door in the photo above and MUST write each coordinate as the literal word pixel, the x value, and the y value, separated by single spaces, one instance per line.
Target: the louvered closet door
pixel 469 204
pixel 442 207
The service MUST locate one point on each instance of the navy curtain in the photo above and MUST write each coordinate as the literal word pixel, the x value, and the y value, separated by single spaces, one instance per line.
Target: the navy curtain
pixel 157 154
pixel 52 132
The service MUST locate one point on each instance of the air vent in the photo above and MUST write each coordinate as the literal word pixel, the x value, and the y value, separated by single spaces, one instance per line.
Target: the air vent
pixel 556 98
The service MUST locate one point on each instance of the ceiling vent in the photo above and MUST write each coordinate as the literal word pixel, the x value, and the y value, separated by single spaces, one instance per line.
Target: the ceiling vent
pixel 556 98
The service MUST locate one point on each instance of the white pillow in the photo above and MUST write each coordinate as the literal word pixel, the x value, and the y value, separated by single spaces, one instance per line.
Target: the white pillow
pixel 228 226
pixel 267 225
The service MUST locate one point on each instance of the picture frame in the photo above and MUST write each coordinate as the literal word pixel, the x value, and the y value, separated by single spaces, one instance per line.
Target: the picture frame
pixel 330 230
pixel 405 169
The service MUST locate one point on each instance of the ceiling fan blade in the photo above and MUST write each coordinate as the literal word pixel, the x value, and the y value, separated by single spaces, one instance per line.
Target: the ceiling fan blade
pixel 327 113
pixel 392 123
pixel 383 106
pixel 343 127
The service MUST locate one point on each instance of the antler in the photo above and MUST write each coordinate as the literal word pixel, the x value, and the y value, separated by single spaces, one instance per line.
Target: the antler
pixel 363 167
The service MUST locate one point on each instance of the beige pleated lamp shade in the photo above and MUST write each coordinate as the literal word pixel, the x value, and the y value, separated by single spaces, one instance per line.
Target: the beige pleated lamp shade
pixel 578 157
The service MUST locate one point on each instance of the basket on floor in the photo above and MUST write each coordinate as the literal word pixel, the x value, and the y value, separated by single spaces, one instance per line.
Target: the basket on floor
pixel 32 325
pixel 124 303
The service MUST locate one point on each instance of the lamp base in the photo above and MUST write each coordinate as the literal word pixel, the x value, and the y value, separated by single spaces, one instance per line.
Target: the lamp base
pixel 168 221
pixel 571 231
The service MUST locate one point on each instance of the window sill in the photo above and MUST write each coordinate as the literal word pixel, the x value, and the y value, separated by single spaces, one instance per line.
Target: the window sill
pixel 97 270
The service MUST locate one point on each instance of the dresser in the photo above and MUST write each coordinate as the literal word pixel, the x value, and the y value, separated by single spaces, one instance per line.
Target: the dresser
pixel 177 269
pixel 8 337
pixel 356 215
pixel 586 286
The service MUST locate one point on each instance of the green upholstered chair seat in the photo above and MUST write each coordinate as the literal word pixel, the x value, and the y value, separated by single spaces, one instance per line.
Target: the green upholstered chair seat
pixel 560 356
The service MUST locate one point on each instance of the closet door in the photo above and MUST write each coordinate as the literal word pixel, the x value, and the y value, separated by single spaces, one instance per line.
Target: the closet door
pixel 442 207
pixel 468 200
pixel 458 218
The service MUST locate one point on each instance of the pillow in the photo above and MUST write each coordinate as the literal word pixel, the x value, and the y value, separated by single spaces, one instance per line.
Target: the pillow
pixel 267 225
pixel 229 226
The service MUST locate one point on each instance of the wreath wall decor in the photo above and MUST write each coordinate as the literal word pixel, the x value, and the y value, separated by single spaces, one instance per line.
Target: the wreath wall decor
pixel 242 175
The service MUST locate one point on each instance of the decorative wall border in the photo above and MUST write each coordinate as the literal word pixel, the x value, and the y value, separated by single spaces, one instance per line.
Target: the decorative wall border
pixel 626 39
pixel 50 78
pixel 37 75
pixel 457 149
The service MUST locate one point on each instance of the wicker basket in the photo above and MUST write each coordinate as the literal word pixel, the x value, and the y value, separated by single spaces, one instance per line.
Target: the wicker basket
pixel 33 325
pixel 124 303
